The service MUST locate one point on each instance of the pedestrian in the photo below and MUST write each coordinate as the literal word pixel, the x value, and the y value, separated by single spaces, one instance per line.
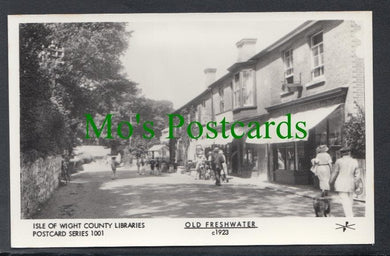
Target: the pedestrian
pixel 113 165
pixel 344 176
pixel 138 165
pixel 158 165
pixel 216 165
pixel 143 166
pixel 65 168
pixel 200 165
pixel 224 167
pixel 152 163
pixel 322 165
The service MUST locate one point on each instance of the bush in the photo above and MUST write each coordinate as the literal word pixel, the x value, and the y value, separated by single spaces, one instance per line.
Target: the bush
pixel 355 134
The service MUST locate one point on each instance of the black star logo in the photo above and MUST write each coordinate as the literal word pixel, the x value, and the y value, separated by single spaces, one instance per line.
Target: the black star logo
pixel 346 226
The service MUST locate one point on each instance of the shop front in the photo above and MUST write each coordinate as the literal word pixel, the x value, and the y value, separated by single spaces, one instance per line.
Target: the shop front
pixel 289 160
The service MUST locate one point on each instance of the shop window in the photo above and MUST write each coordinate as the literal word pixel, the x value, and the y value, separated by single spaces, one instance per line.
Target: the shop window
pixel 329 130
pixel 250 158
pixel 284 156
pixel 317 49
pixel 335 122
pixel 321 133
pixel 301 156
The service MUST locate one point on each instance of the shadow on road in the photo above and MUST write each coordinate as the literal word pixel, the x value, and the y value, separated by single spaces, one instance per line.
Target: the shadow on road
pixel 93 194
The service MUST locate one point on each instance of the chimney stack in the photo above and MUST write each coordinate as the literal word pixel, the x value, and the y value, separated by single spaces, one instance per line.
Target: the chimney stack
pixel 209 76
pixel 246 49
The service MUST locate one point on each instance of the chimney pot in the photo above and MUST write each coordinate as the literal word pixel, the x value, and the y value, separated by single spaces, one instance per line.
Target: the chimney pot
pixel 246 49
pixel 210 76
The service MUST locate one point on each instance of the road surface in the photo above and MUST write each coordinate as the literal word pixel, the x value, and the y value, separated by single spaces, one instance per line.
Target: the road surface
pixel 92 193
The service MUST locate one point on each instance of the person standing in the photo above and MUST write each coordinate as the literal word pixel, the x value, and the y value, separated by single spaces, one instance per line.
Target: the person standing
pixel 322 165
pixel 113 165
pixel 158 165
pixel 216 165
pixel 143 166
pixel 224 166
pixel 152 163
pixel 344 176
pixel 138 165
pixel 200 164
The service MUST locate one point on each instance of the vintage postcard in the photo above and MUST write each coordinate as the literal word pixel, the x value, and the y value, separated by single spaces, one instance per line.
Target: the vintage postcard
pixel 191 129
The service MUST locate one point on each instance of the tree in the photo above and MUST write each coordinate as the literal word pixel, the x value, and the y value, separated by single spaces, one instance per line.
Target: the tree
pixel 55 95
pixel 72 69
pixel 182 136
pixel 355 133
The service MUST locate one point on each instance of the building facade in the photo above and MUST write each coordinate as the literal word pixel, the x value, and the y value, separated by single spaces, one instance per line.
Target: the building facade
pixel 315 73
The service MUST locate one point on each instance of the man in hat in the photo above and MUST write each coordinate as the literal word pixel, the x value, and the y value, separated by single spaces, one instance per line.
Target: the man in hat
pixel 216 165
pixel 344 175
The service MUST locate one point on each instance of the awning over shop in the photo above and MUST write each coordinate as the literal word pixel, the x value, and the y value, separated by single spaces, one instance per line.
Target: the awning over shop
pixel 311 117
pixel 157 147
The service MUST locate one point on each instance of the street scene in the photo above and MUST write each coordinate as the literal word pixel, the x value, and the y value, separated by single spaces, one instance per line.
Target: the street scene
pixel 279 132
pixel 92 193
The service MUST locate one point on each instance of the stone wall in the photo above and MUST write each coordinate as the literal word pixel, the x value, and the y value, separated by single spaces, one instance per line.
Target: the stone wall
pixel 38 181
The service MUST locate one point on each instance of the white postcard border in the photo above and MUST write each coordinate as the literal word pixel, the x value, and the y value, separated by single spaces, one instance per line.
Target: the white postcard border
pixel 170 231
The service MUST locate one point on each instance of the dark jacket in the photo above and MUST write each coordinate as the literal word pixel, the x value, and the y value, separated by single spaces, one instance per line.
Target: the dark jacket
pixel 216 161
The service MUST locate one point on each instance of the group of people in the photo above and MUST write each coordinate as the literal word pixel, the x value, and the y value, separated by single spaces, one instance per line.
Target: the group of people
pixel 142 165
pixel 216 161
pixel 155 165
pixel 343 175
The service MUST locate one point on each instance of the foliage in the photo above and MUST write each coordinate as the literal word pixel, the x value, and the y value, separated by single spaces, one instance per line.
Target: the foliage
pixel 54 95
pixel 88 78
pixel 42 124
pixel 181 134
pixel 355 134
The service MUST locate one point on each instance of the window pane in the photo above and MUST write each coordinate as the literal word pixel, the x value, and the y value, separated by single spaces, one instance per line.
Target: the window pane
pixel 290 155
pixel 301 156
pixel 237 77
pixel 317 39
pixel 335 125
pixel 316 61
pixel 320 133
pixel 288 63
pixel 316 72
pixel 315 51
pixel 322 59
pixel 321 48
pixel 237 99
pixel 281 156
pixel 247 88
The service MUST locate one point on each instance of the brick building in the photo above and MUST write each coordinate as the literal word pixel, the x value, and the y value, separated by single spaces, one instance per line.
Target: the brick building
pixel 315 73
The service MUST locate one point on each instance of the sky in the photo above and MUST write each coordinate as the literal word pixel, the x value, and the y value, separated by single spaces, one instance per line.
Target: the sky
pixel 167 54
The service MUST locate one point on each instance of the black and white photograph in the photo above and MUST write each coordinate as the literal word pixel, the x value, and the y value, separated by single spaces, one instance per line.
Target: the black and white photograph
pixel 191 129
